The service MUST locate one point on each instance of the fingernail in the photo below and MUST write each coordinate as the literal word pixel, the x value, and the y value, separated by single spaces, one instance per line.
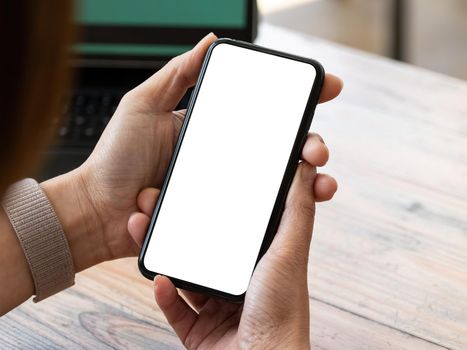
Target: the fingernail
pixel 209 35
pixel 156 282
pixel 200 43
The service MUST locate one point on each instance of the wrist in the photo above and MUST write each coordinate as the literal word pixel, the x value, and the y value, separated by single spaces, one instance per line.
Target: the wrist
pixel 69 197
pixel 284 336
pixel 17 284
pixel 298 343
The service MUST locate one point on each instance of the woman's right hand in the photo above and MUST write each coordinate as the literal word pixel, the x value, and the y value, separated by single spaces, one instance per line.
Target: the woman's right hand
pixel 275 313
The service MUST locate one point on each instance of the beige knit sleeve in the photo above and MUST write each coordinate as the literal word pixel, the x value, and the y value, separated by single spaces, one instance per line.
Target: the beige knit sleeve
pixel 41 236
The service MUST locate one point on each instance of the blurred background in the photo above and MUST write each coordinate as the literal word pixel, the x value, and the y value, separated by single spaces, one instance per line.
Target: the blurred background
pixel 121 42
pixel 428 33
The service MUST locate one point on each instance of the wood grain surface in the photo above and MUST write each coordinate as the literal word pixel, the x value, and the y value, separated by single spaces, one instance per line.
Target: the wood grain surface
pixel 388 267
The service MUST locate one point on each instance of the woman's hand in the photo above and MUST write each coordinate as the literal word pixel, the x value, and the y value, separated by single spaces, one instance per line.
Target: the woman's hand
pixel 276 310
pixel 95 201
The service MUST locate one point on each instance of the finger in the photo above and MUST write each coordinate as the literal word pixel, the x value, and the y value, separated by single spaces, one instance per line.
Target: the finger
pixel 166 88
pixel 332 87
pixel 324 188
pixel 137 227
pixel 213 315
pixel 196 300
pixel 293 237
pixel 315 150
pixel 178 313
pixel 179 117
pixel 146 200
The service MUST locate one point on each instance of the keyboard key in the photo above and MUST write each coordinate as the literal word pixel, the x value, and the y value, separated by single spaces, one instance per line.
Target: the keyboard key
pixel 80 120
pixel 87 113
pixel 107 100
pixel 90 109
pixel 90 132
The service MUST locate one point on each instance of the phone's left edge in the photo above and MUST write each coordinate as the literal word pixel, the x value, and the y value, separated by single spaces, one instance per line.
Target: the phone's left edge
pixel 141 265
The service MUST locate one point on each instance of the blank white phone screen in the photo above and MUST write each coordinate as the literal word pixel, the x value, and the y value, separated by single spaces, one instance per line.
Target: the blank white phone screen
pixel 230 166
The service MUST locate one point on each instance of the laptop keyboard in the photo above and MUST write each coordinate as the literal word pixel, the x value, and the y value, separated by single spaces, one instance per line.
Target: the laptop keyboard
pixel 86 116
pixel 88 113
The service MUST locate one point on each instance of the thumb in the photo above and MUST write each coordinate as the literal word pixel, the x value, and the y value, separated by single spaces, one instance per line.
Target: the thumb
pixel 165 89
pixel 292 241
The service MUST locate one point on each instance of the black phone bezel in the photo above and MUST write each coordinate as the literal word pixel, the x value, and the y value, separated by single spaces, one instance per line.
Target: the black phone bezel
pixel 286 181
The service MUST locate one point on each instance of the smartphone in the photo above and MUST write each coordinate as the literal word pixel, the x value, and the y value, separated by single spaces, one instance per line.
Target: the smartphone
pixel 233 164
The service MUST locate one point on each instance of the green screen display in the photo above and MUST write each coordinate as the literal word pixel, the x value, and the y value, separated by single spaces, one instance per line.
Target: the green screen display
pixel 172 13
pixel 131 49
pixel 145 17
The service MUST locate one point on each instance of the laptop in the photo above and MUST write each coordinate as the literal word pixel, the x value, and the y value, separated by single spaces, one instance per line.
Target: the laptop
pixel 123 42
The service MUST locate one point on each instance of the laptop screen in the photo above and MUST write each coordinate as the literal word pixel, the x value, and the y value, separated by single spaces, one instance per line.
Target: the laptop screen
pixel 157 28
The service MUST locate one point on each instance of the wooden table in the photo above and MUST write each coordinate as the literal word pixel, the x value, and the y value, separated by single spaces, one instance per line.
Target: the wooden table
pixel 388 266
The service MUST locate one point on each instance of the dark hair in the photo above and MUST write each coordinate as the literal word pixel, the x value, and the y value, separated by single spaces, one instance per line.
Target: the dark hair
pixel 35 38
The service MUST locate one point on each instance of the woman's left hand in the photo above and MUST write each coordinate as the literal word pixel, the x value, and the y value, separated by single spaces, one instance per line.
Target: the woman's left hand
pixel 133 153
pixel 94 201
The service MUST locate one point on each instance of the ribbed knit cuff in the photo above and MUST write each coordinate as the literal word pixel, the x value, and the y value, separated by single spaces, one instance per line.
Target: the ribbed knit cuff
pixel 41 236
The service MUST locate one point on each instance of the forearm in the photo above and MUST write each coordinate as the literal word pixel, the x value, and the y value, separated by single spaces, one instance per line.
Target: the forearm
pixel 81 228
pixel 78 218
pixel 16 283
